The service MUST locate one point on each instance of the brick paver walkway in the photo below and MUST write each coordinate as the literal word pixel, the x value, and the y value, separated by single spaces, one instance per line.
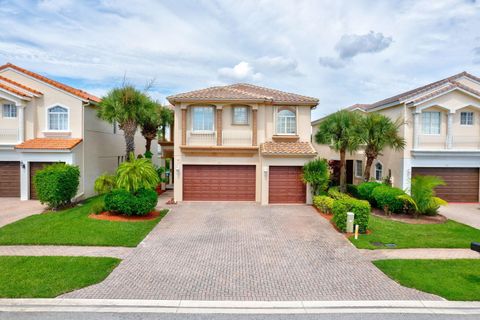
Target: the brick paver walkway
pixel 420 254
pixel 116 252
pixel 239 251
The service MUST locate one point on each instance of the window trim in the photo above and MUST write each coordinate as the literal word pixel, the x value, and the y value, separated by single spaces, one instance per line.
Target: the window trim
pixel 47 118
pixel 193 131
pixel 439 123
pixel 280 109
pixel 375 171
pixel 356 169
pixel 10 105
pixel 248 115
pixel 467 124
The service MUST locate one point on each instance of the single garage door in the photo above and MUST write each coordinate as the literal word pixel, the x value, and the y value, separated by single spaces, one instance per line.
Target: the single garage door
pixel 34 167
pixel 285 185
pixel 461 183
pixel 218 183
pixel 9 179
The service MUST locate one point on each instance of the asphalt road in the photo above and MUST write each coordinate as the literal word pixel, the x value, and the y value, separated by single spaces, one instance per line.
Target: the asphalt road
pixel 163 316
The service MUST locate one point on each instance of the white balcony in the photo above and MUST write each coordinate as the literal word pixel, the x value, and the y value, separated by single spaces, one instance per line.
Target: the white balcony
pixel 432 142
pixel 466 142
pixel 9 136
pixel 237 138
pixel 201 138
pixel 440 142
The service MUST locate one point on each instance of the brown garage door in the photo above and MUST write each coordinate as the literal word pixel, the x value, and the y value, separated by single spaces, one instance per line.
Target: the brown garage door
pixel 218 183
pixel 285 185
pixel 9 179
pixel 34 167
pixel 462 183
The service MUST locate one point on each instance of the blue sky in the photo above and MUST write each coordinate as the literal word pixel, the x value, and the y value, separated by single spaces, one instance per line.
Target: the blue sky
pixel 342 52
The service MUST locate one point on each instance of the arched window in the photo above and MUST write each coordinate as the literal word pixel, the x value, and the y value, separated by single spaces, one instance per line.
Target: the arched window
pixel 378 171
pixel 57 118
pixel 286 122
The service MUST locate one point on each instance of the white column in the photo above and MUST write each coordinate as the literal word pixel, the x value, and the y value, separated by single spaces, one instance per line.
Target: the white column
pixel 407 174
pixel 24 180
pixel 21 123
pixel 416 129
pixel 449 130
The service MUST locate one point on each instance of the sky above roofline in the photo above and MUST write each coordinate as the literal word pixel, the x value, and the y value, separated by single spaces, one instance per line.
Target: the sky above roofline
pixel 341 52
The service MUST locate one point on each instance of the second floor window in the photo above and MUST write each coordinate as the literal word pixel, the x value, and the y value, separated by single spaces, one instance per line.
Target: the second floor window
pixel 57 118
pixel 431 122
pixel 240 115
pixel 286 122
pixel 466 118
pixel 9 111
pixel 202 119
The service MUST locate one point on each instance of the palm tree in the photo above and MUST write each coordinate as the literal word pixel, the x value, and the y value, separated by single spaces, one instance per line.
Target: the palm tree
pixel 341 131
pixel 150 125
pixel 378 133
pixel 126 106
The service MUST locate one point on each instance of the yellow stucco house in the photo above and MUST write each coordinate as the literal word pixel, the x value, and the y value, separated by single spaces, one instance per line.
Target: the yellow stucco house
pixel 441 126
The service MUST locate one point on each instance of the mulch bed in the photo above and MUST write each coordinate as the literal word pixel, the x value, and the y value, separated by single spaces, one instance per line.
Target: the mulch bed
pixel 108 216
pixel 410 218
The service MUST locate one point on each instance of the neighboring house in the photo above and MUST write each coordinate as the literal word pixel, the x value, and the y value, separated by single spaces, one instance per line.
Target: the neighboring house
pixel 241 143
pixel 441 125
pixel 44 121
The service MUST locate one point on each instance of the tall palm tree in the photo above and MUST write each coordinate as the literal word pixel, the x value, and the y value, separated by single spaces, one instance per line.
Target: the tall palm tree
pixel 126 106
pixel 155 121
pixel 341 131
pixel 379 132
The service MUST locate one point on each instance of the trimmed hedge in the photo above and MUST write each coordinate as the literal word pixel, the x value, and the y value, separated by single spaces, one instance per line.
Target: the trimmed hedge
pixel 352 190
pixel 57 184
pixel 334 192
pixel 386 198
pixel 139 203
pixel 362 211
pixel 323 203
pixel 365 190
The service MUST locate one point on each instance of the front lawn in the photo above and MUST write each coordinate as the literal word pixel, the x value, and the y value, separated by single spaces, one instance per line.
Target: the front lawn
pixel 74 227
pixel 450 234
pixel 451 279
pixel 48 277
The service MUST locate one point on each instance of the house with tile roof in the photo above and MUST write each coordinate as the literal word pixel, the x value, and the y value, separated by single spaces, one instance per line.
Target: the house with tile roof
pixel 441 126
pixel 241 142
pixel 44 121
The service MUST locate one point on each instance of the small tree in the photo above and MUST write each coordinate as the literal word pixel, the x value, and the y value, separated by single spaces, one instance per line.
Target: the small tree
pixel 316 173
pixel 422 195
pixel 104 183
pixel 137 174
pixel 151 123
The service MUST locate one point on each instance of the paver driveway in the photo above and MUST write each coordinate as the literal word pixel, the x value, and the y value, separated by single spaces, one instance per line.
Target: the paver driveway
pixel 232 251
pixel 13 209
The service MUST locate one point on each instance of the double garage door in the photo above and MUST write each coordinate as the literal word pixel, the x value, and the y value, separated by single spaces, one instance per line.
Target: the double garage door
pixel 462 184
pixel 238 183
pixel 10 178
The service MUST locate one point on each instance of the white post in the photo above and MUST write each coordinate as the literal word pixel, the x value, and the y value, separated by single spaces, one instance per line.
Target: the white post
pixel 449 130
pixel 416 129
pixel 21 123
pixel 350 218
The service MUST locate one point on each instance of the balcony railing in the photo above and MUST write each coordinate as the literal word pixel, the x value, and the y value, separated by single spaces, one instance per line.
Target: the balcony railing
pixel 237 138
pixel 441 142
pixel 432 142
pixel 466 142
pixel 9 136
pixel 201 138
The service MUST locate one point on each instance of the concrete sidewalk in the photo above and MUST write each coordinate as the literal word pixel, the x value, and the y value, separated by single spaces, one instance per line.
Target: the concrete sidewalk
pixel 115 252
pixel 420 254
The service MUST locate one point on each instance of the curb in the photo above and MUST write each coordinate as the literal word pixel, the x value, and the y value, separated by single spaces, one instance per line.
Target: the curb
pixel 238 307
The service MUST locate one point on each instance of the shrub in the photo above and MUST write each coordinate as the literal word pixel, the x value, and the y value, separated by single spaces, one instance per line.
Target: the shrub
pixel 387 198
pixel 365 190
pixel 161 174
pixel 57 184
pixel 104 183
pixel 139 203
pixel 422 197
pixel 323 203
pixel 360 208
pixel 137 174
pixel 316 173
pixel 335 193
pixel 352 190
pixel 98 207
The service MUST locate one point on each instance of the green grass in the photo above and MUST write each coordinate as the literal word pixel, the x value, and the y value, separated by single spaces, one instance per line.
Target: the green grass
pixel 451 279
pixel 74 227
pixel 450 234
pixel 48 277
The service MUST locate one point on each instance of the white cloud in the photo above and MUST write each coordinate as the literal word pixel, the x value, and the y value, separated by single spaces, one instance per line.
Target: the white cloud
pixel 277 64
pixel 331 62
pixel 351 45
pixel 242 71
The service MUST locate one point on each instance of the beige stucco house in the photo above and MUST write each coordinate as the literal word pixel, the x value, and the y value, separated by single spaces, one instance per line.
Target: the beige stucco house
pixel 44 121
pixel 441 125
pixel 241 143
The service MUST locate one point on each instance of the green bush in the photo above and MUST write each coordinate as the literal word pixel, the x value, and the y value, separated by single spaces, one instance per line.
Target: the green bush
pixel 423 198
pixel 316 173
pixel 139 203
pixel 323 203
pixel 98 207
pixel 334 192
pixel 137 174
pixel 104 183
pixel 360 208
pixel 352 190
pixel 57 184
pixel 388 199
pixel 365 190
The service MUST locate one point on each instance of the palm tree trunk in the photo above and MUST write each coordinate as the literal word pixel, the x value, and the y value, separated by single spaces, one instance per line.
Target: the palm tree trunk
pixel 343 171
pixel 148 143
pixel 368 168
pixel 129 130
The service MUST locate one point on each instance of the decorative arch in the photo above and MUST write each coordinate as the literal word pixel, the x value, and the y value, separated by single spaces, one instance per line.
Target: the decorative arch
pixel 286 120
pixel 57 118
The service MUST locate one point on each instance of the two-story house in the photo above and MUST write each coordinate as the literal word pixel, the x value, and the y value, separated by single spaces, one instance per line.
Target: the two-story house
pixel 44 121
pixel 441 126
pixel 241 143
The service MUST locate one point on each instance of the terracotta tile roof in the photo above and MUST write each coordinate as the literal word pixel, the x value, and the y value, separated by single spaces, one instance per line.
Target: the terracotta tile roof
pixel 287 148
pixel 79 93
pixel 19 85
pixel 14 90
pixel 361 106
pixel 243 92
pixel 450 86
pixel 49 144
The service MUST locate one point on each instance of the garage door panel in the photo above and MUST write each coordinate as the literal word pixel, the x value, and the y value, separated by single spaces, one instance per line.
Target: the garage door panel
pixel 219 182
pixel 462 184
pixel 285 185
pixel 9 179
